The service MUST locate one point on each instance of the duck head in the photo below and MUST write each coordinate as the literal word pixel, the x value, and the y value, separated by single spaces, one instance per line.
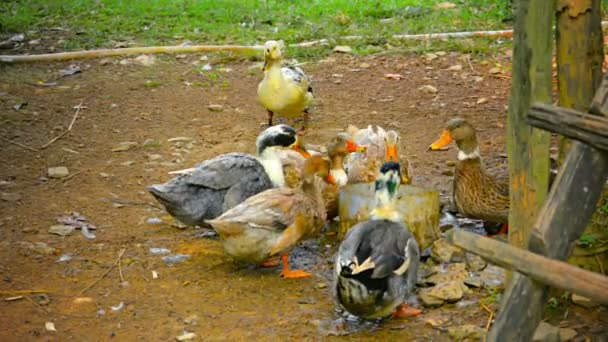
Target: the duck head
pixel 337 149
pixel 317 166
pixel 272 52
pixel 279 136
pixel 464 134
pixel 387 186
pixel 392 142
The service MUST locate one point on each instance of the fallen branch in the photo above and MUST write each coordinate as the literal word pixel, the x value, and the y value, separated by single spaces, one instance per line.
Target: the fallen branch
pixel 104 274
pixel 547 271
pixel 19 144
pixel 20 292
pixel 66 131
pixel 63 56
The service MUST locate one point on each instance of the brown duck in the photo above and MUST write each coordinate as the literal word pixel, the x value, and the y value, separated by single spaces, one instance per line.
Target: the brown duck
pixel 476 193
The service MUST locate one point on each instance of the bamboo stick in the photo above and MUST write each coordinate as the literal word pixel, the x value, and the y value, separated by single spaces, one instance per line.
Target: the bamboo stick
pixel 550 272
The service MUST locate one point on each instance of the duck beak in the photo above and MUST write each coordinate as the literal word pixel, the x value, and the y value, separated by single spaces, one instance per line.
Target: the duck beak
pixel 444 140
pixel 330 179
pixel 298 147
pixel 351 147
pixel 391 153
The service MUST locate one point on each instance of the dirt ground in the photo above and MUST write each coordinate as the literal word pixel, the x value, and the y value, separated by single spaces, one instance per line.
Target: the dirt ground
pixel 206 294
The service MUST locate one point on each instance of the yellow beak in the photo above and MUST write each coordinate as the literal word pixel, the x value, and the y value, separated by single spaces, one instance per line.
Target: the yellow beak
pixel 444 140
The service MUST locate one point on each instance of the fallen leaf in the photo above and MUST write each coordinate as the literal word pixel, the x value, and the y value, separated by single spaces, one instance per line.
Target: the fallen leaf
pixel 482 100
pixel 457 67
pixel 50 326
pixel 429 89
pixel 393 76
pixel 495 71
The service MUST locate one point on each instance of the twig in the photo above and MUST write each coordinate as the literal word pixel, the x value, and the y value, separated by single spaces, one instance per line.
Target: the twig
pixel 599 262
pixel 489 318
pixel 36 304
pixel 122 279
pixel 20 292
pixel 19 144
pixel 471 65
pixel 69 127
pixel 104 274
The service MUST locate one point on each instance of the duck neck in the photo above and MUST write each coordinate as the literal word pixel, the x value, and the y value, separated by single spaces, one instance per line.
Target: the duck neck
pixel 311 188
pixel 468 149
pixel 273 68
pixel 269 158
pixel 337 170
pixel 385 207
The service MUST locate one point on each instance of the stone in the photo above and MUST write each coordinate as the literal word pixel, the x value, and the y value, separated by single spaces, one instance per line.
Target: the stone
pixel 583 301
pixel 495 71
pixel 343 49
pixel 58 172
pixel 127 163
pixel 443 251
pixel 475 262
pixel 430 56
pixel 61 230
pixel 450 291
pixel 151 143
pixel 10 197
pixel 429 89
pixel 457 67
pixel 482 100
pixel 473 281
pixel 450 163
pixel 493 276
pixel 466 331
pixel 441 274
pixel 545 332
pixel 567 334
pixel 153 157
pixel 448 173
pixel 124 146
pixel 145 60
pixel 187 336
pixel 179 139
pixel 215 107
pixel 364 65
pixel 38 247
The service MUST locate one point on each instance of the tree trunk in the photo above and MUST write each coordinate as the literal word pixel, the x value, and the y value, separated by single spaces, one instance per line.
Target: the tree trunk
pixel 527 147
pixel 579 61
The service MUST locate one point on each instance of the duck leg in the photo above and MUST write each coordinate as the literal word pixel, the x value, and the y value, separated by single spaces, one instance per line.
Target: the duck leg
pixel 270 115
pixel 304 128
pixel 405 310
pixel 287 273
pixel 270 262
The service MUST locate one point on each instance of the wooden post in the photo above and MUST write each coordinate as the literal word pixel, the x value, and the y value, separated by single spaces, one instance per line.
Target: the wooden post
pixel 579 61
pixel 551 272
pixel 528 148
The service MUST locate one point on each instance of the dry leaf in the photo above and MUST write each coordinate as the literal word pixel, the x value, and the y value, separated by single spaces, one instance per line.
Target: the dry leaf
pixel 495 71
pixel 50 326
pixel 482 100
pixel 457 67
pixel 429 89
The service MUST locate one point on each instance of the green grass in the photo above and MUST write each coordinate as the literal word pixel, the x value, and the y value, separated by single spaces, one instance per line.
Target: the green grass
pixel 103 23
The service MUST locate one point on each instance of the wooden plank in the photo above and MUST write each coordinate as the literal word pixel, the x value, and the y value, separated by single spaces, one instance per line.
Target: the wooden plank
pixel 551 272
pixel 564 217
pixel 527 147
pixel 599 105
pixel 587 128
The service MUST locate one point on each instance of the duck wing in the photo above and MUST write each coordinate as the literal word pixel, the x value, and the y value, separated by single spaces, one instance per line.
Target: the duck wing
pixel 226 170
pixel 296 75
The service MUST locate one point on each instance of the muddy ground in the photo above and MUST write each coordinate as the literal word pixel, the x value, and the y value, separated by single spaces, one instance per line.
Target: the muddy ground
pixel 206 294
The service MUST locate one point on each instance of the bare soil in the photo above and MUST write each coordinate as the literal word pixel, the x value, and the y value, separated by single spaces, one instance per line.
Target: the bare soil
pixel 207 294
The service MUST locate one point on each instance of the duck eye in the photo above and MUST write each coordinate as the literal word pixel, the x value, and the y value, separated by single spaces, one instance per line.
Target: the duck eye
pixel 267 50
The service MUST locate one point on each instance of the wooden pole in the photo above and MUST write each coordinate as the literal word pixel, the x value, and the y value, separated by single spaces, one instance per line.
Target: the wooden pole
pixel 555 273
pixel 528 148
pixel 579 61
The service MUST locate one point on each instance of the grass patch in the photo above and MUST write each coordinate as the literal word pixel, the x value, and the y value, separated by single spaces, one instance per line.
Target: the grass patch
pixel 104 23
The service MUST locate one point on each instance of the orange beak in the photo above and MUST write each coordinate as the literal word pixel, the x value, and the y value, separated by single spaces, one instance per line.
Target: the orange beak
pixel 391 153
pixel 298 147
pixel 331 180
pixel 351 147
pixel 444 140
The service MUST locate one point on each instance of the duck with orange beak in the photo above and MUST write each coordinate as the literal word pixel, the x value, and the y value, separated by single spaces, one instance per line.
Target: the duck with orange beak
pixel 274 221
pixel 476 193
pixel 392 141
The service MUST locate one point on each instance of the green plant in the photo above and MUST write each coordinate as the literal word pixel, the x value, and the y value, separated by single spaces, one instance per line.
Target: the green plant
pixel 587 240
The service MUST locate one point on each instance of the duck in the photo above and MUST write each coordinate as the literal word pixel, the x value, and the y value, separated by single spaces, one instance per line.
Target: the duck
pixel 392 142
pixel 476 192
pixel 337 150
pixel 274 221
pixel 363 167
pixel 376 267
pixel 218 184
pixel 285 91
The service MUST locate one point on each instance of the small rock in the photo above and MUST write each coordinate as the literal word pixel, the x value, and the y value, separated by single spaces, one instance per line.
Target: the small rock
pixel 567 334
pixel 71 70
pixel 124 146
pixel 447 173
pixel 429 89
pixel 321 285
pixel 473 281
pixel 467 331
pixel 443 251
pixel 364 65
pixel 215 107
pixel 186 337
pixel 104 175
pixel 145 60
pixel 206 67
pixel 153 157
pixel 192 319
pixel 124 62
pixel 583 301
pixel 159 250
pixel 448 292
pixel 337 75
pixel 61 230
pixel 34 42
pixel 343 49
pixel 154 275
pixel 495 71
pixel 430 56
pixel 493 276
pixel 450 163
pixel 50 326
pixel 127 163
pixel 105 61
pixel 173 259
pixel 151 143
pixel 545 332
pixel 475 262
pixel 477 79
pixel 396 77
pixel 452 272
pixel 154 220
pixel 457 67
pixel 182 56
pixel 482 100
pixel 58 172
pixel 10 197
